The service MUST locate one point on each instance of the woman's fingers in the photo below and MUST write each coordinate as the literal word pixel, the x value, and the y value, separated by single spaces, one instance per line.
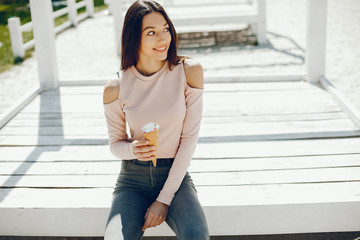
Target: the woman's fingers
pixel 149 148
pixel 155 215
pixel 140 143
pixel 143 151
pixel 151 220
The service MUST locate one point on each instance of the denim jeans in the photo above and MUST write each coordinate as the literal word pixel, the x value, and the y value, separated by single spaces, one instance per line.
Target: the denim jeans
pixel 137 187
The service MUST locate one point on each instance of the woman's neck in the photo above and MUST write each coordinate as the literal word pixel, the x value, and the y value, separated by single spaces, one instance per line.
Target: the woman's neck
pixel 148 68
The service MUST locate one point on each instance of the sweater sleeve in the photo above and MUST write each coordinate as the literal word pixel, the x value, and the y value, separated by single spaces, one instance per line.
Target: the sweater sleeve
pixel 188 141
pixel 116 124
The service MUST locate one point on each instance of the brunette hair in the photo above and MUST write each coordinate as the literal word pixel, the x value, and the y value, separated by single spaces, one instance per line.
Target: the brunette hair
pixel 132 29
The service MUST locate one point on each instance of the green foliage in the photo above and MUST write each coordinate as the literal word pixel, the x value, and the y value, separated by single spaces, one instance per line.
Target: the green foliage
pixel 6 55
pixel 20 8
pixel 11 8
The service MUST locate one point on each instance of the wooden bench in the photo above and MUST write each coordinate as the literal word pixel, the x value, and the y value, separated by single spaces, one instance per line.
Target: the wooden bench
pixel 272 157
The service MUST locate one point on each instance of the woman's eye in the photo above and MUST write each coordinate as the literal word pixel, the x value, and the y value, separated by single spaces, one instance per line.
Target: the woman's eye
pixel 151 33
pixel 167 29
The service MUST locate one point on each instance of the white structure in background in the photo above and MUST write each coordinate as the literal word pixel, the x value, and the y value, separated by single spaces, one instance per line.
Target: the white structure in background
pixel 16 29
pixel 203 16
pixel 41 15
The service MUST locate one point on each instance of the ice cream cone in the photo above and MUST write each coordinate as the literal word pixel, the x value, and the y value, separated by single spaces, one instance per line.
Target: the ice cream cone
pixel 151 133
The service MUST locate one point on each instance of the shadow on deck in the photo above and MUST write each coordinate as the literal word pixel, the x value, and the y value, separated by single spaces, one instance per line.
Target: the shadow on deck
pixel 272 158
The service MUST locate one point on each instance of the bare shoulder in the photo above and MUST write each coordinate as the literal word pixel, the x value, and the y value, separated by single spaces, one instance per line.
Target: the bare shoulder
pixel 194 73
pixel 111 91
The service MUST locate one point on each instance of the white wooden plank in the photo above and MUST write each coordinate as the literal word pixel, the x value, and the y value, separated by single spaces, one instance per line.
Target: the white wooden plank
pixel 72 103
pixel 302 202
pixel 220 150
pixel 209 87
pixel 264 118
pixel 262 86
pixel 73 127
pixel 37 116
pixel 274 95
pixel 348 108
pixel 266 99
pixel 294 176
pixel 276 148
pixel 57 122
pixel 52 140
pixel 55 130
pixel 57 127
pixel 62 123
pixel 66 131
pixel 276 110
pixel 209 196
pixel 18 105
pixel 263 128
pixel 77 90
pixel 236 220
pixel 90 104
pixel 56 153
pixel 273 118
pixel 60 140
pixel 197 165
pixel 209 110
pixel 218 110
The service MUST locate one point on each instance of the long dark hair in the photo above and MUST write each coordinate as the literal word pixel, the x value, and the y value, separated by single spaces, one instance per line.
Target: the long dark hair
pixel 131 34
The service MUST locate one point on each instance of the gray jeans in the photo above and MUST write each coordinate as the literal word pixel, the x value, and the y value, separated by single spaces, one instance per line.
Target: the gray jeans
pixel 137 188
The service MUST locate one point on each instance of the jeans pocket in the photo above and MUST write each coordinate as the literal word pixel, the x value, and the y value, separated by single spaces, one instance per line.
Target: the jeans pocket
pixel 125 164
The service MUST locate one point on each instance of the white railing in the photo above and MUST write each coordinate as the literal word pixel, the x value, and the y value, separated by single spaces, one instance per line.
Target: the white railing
pixel 16 29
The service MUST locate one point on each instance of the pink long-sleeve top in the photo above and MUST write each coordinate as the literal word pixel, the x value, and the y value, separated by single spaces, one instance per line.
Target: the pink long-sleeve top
pixel 166 99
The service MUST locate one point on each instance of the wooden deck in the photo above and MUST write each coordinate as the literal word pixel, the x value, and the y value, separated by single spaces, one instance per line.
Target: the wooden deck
pixel 276 157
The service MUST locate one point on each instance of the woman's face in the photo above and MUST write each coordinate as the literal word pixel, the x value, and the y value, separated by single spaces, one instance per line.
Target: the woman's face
pixel 155 37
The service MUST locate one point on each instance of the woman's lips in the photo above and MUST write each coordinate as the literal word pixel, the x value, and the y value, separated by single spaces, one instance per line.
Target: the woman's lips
pixel 161 49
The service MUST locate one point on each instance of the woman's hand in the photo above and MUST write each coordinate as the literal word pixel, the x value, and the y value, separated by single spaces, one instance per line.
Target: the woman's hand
pixel 143 151
pixel 155 215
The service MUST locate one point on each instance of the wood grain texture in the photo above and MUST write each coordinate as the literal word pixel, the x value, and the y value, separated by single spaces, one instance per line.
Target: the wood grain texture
pixel 264 148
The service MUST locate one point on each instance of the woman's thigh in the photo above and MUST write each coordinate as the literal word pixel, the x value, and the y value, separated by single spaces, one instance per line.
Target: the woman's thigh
pixel 126 216
pixel 186 217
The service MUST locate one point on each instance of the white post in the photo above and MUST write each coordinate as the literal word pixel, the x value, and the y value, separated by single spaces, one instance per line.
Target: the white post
pixel 117 8
pixel 315 39
pixel 16 37
pixel 43 26
pixel 261 26
pixel 90 7
pixel 109 3
pixel 72 12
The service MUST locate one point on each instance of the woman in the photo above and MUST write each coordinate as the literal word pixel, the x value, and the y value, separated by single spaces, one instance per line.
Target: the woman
pixel 156 86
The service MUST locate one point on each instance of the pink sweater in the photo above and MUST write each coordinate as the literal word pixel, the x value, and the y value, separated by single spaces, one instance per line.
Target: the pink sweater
pixel 166 99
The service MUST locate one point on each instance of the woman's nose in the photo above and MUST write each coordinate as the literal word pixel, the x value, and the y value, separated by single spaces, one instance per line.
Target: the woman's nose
pixel 162 38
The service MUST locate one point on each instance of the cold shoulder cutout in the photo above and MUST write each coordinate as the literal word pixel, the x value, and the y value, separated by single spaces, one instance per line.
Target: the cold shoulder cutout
pixel 194 73
pixel 111 91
